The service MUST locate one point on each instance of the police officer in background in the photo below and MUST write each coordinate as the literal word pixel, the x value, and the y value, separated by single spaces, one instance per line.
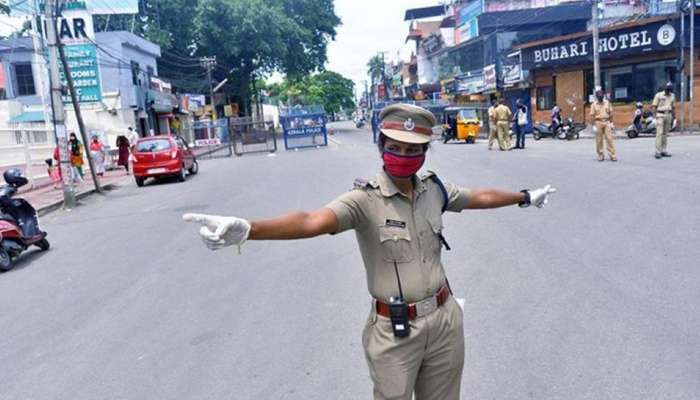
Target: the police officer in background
pixel 663 105
pixel 493 129
pixel 413 338
pixel 503 117
pixel 601 112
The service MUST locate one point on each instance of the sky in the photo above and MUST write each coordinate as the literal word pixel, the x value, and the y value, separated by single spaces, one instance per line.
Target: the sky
pixel 370 26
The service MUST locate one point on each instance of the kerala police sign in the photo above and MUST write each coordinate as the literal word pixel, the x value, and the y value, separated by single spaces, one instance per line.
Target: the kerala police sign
pixel 656 36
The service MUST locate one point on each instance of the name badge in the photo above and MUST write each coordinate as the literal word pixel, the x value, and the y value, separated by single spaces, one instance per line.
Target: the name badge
pixel 395 224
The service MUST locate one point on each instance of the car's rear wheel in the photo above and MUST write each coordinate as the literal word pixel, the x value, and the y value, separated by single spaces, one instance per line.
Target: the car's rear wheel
pixel 195 168
pixel 139 181
pixel 5 260
pixel 182 176
pixel 536 135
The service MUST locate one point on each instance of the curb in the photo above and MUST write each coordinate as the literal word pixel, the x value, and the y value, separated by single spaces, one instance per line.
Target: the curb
pixel 49 208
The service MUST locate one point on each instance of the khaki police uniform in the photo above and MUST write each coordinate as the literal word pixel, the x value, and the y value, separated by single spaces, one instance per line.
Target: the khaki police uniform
pixel 601 112
pixel 503 117
pixel 493 129
pixel 664 118
pixel 392 227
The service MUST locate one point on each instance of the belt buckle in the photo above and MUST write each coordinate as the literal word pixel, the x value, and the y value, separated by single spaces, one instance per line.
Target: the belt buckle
pixel 426 306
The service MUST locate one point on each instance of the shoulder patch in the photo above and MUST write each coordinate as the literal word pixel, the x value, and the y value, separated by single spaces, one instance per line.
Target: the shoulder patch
pixel 426 175
pixel 364 183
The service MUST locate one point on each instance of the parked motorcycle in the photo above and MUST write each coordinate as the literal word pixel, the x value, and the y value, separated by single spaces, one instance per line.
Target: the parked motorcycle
pixel 644 123
pixel 571 130
pixel 19 222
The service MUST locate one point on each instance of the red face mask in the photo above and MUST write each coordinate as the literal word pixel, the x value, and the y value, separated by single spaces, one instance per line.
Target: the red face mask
pixel 400 166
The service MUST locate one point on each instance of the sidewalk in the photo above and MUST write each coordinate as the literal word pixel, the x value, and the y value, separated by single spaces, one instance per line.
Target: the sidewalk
pixel 46 199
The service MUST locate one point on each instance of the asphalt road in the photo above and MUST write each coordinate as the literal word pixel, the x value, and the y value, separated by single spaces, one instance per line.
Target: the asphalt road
pixel 596 296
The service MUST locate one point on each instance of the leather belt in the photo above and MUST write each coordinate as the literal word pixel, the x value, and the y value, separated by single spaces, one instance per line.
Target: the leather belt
pixel 419 308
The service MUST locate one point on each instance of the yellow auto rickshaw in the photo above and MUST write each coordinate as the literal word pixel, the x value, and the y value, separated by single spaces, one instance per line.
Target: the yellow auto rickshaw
pixel 461 123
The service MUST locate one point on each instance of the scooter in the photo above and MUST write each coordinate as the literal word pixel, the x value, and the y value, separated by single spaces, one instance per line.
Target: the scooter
pixel 19 222
pixel 540 130
pixel 644 124
pixel 359 122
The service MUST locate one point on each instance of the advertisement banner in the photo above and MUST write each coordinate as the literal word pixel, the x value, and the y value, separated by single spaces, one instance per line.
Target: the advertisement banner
pixel 24 7
pixel 467 21
pixel 85 72
pixel 512 69
pixel 490 79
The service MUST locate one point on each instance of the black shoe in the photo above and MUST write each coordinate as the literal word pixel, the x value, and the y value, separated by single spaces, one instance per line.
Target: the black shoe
pixel 664 154
pixel 657 156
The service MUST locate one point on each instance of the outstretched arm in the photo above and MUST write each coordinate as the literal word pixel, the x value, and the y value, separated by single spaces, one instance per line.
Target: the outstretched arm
pixel 296 225
pixel 491 198
pixel 219 231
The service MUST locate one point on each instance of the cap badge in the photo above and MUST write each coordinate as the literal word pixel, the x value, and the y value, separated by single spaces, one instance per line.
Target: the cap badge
pixel 409 125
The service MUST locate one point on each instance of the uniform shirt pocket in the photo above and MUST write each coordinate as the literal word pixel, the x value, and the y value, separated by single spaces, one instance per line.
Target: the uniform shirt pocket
pixel 395 244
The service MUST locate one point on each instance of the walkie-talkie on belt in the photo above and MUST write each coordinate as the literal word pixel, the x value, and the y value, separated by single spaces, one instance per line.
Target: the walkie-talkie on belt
pixel 398 310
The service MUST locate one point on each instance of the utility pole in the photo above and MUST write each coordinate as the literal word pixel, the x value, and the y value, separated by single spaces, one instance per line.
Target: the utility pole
pixel 209 63
pixel 78 114
pixel 692 63
pixel 681 42
pixel 386 89
pixel 596 54
pixel 59 113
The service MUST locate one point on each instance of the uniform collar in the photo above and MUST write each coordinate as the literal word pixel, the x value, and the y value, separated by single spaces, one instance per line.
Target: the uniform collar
pixel 388 188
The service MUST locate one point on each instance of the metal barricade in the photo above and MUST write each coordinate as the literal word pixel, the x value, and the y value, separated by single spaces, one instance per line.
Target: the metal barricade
pixel 212 139
pixel 251 135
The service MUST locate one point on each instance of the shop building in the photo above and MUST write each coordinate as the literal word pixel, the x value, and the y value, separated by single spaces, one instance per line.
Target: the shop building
pixel 637 58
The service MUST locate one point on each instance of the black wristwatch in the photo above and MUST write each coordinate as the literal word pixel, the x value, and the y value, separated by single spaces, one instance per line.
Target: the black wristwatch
pixel 526 202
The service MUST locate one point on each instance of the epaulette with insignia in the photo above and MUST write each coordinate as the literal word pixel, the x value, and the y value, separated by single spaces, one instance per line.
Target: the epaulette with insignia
pixel 426 175
pixel 363 183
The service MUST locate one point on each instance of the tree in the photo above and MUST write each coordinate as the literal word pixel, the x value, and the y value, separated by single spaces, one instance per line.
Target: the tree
pixel 4 8
pixel 375 69
pixel 329 89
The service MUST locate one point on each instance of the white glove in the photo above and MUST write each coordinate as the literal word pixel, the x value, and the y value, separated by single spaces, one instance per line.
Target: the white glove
pixel 540 197
pixel 218 232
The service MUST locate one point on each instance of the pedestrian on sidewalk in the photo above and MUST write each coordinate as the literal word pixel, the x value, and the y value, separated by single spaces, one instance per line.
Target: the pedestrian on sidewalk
pixel 76 158
pixel 663 104
pixel 124 148
pixel 54 172
pixel 414 336
pixel 519 123
pixel 493 129
pixel 97 152
pixel 503 117
pixel 601 112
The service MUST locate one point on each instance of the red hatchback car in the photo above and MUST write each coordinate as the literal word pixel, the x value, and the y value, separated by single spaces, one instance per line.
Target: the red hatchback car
pixel 163 156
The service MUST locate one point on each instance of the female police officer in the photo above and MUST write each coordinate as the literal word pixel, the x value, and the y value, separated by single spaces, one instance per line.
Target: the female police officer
pixel 413 339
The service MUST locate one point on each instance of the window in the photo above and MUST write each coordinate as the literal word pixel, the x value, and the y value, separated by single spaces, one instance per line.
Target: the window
pixel 635 82
pixel 150 146
pixel 545 98
pixel 25 80
pixel 135 68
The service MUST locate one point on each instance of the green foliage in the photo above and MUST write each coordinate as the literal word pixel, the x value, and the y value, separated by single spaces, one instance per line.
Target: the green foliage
pixel 375 67
pixel 4 8
pixel 327 88
pixel 250 38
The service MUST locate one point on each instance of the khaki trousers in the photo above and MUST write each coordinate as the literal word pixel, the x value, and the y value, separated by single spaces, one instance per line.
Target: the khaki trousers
pixel 664 122
pixel 493 133
pixel 503 135
pixel 603 131
pixel 428 363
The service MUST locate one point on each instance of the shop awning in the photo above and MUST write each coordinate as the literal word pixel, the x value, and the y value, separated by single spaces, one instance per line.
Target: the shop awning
pixel 30 116
pixel 535 16
pixel 424 12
